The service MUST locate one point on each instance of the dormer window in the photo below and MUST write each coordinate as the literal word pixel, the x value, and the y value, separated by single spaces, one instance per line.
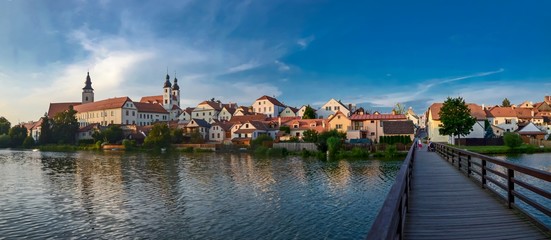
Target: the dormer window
pixel 295 125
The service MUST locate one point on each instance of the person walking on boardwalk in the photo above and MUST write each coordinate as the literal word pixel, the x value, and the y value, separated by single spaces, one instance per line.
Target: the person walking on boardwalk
pixel 419 144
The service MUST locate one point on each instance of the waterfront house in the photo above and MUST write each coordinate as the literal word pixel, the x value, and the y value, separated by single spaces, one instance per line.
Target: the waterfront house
pixel 339 121
pixel 434 124
pixel 370 126
pixel 531 131
pixel 503 117
pixel 198 125
pixel 289 112
pixel 221 132
pixel 269 106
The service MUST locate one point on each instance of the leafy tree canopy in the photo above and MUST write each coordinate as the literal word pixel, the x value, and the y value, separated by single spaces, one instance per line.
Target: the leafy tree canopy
pixel 456 118
pixel 309 113
pixel 5 125
pixel 65 126
pixel 310 136
pixel 158 137
pixel 17 135
pixel 45 131
pixel 399 108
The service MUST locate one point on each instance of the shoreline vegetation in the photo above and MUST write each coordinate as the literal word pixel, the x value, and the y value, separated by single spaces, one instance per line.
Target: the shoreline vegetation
pixel 524 148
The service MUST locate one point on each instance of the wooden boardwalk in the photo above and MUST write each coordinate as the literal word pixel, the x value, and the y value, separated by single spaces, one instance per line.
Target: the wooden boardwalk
pixel 445 204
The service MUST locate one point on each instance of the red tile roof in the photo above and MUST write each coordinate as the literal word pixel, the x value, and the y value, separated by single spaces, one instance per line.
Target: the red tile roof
pixel 247 118
pixel 501 112
pixel 152 99
pixel 272 100
pixel 110 103
pixel 377 117
pixel 150 107
pixel 56 108
pixel 476 111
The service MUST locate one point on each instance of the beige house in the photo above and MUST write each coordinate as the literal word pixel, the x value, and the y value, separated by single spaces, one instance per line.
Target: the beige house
pixel 149 113
pixel 370 125
pixel 298 126
pixel 227 112
pixel 269 106
pixel 503 117
pixel 434 124
pixel 198 126
pixel 221 132
pixel 339 121
pixel 119 110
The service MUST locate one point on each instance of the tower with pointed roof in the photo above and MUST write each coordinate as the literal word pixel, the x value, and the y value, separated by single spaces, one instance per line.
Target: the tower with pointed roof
pixel 167 94
pixel 176 92
pixel 87 90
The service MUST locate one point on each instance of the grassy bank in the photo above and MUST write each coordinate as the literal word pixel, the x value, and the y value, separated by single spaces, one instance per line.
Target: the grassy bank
pixel 525 148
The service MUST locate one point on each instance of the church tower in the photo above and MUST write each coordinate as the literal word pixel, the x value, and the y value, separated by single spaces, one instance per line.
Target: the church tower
pixel 176 92
pixel 88 91
pixel 167 94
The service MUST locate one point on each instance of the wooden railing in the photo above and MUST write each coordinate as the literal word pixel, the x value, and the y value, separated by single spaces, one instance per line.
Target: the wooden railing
pixel 390 221
pixel 476 166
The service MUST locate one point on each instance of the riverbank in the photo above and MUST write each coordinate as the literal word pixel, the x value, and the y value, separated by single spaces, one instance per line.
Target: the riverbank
pixel 525 148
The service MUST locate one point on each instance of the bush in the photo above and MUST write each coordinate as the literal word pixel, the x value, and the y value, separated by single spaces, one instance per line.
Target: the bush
pixel 390 151
pixel 333 145
pixel 260 151
pixel 82 142
pixel 129 144
pixel 260 140
pixel 28 142
pixel 277 152
pixel 512 140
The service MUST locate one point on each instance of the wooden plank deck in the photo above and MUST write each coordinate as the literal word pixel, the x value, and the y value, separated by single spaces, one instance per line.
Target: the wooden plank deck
pixel 445 204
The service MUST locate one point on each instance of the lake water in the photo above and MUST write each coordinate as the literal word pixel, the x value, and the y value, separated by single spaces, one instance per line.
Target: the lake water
pixel 541 161
pixel 113 195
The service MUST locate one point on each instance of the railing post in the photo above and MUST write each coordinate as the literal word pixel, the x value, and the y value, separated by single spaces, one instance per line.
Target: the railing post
pixel 483 176
pixel 468 165
pixel 453 157
pixel 459 160
pixel 510 187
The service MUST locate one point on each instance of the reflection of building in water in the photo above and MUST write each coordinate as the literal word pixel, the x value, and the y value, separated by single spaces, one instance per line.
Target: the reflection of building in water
pixel 250 173
pixel 297 169
pixel 338 176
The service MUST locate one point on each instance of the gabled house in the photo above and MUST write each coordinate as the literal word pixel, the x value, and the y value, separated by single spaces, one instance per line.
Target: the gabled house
pixel 531 131
pixel 149 113
pixel 207 110
pixel 86 132
pixel 197 125
pixel 302 109
pixel 370 126
pixel 332 107
pixel 221 132
pixel 526 104
pixel 503 117
pixel 434 124
pixel 227 112
pixel 243 111
pixel 249 131
pixel 185 116
pixel 119 110
pixel 289 112
pixel 339 121
pixel 269 106
pixel 298 126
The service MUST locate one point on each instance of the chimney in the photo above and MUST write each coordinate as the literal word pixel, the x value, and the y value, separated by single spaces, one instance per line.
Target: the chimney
pixel 483 107
pixel 393 112
pixel 279 121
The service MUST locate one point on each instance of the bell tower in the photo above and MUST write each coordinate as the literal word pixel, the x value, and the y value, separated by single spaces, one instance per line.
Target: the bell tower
pixel 88 91
pixel 167 94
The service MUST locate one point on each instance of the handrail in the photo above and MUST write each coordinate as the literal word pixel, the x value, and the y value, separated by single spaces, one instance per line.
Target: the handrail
pixel 390 221
pixel 510 182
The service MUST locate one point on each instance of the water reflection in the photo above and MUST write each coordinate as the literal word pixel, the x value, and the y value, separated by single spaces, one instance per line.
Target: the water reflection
pixel 203 196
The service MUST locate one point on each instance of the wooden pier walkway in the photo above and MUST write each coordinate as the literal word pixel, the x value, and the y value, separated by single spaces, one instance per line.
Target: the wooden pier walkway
pixel 445 204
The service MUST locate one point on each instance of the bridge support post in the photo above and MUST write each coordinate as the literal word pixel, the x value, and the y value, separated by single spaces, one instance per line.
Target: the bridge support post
pixel 510 187
pixel 459 160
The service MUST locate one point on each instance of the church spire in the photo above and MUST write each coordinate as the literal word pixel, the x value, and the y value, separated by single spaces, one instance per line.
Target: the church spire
pixel 167 82
pixel 88 83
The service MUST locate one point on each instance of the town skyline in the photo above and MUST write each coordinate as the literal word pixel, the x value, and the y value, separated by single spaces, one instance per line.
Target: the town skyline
pixel 370 54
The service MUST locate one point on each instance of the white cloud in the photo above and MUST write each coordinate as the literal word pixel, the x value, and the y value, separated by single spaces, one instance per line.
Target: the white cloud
pixel 243 67
pixel 281 66
pixel 304 42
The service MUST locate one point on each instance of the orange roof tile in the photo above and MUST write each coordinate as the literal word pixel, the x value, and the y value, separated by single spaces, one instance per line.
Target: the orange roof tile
pixel 150 107
pixel 152 99
pixel 56 108
pixel 110 103
pixel 272 100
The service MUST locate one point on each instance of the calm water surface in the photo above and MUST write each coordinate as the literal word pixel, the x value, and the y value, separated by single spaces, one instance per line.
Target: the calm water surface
pixel 113 195
pixel 541 161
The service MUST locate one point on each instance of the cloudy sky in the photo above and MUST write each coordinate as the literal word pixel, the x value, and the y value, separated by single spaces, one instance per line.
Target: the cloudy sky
pixel 301 51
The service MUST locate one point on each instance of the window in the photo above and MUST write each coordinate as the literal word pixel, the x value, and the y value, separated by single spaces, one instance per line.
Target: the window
pixel 166 101
pixel 507 121
pixel 133 113
pixel 339 117
pixel 126 112
pixel 213 135
pixel 327 108
pixel 338 126
pixel 270 109
pixel 496 122
pixel 218 135
pixel 166 90
pixel 295 125
pixel 197 114
pixel 247 125
pixel 372 134
pixel 127 121
pixel 372 121
pixel 203 114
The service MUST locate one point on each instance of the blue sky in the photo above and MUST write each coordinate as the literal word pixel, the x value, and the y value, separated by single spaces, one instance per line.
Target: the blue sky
pixel 372 53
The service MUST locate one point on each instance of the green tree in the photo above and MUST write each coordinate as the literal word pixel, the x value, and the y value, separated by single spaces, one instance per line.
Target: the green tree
pixel 177 135
pixel 505 103
pixel 322 139
pixel 196 138
pixel 309 113
pixel 158 137
pixel 28 142
pixel 45 131
pixel 333 145
pixel 512 140
pixel 5 126
pixel 65 126
pixel 310 136
pixel 489 132
pixel 261 140
pixel 285 129
pixel 113 134
pixel 5 141
pixel 456 118
pixel 17 134
pixel 399 109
